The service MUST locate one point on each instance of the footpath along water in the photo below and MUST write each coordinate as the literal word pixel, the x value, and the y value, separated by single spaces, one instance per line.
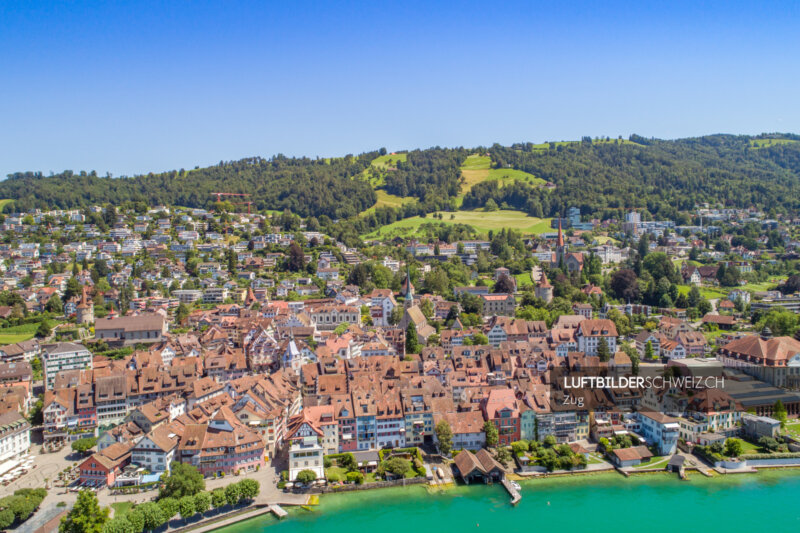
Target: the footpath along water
pixel 608 502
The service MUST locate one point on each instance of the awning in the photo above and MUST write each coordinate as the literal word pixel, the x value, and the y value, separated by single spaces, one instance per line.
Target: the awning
pixel 8 466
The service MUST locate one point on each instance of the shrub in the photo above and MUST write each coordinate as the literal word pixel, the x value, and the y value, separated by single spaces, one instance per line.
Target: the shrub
pixel 355 477
pixel 306 476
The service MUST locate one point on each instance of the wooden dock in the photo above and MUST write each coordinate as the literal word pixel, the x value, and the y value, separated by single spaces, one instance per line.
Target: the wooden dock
pixel 515 495
pixel 277 511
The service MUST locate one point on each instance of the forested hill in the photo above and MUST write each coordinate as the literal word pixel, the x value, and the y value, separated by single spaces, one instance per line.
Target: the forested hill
pixel 662 176
pixel 305 186
pixel 600 177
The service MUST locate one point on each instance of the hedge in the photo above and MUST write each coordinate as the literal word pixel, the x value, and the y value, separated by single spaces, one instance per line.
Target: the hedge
pixel 784 455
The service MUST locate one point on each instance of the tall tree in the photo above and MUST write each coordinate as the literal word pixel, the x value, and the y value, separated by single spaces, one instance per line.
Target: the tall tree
pixel 412 342
pixel 491 433
pixel 445 437
pixel 603 352
pixel 297 261
pixel 183 480
pixel 86 516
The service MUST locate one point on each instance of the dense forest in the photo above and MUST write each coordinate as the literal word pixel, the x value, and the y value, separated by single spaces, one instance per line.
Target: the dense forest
pixel 304 186
pixel 663 178
pixel 432 176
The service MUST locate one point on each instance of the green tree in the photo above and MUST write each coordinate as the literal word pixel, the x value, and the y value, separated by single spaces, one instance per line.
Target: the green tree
pixel 54 305
pixel 119 524
pixel 412 342
pixel 136 520
pixel 491 433
pixel 233 494
pixel 202 501
pixel 297 261
pixel 181 313
pixel 86 516
pixel 779 413
pixel 84 445
pixel 186 507
pixel 397 466
pixel 74 288
pixel 249 488
pixel 152 514
pixel 445 437
pixel 355 477
pixel 183 480
pixel 6 518
pixel 479 339
pixel 648 351
pixel 44 330
pixel 603 352
pixel 218 498
pixel 306 476
pixel 733 447
pixel 169 506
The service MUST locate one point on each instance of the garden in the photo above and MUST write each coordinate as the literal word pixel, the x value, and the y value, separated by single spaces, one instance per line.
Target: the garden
pixel 546 454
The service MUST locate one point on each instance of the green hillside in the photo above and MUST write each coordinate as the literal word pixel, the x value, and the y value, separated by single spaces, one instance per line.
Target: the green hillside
pixel 482 222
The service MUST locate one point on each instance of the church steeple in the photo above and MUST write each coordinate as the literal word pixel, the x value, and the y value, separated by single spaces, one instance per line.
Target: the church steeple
pixel 409 288
pixel 560 241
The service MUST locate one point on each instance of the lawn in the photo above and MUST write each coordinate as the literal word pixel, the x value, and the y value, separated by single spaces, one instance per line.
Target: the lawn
pixel 382 163
pixel 749 447
pixel 793 428
pixel 603 239
pixel 709 293
pixel 336 470
pixel 546 146
pixel 342 473
pixel 766 143
pixel 712 336
pixel 595 459
pixel 523 279
pixel 763 286
pixel 483 222
pixel 18 333
pixel 389 200
pixel 477 168
pixel 121 508
pixel 656 461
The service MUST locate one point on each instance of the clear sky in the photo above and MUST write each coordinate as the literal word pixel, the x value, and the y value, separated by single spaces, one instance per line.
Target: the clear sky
pixel 132 87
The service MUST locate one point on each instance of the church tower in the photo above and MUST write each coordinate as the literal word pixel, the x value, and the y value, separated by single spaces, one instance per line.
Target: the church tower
pixel 561 248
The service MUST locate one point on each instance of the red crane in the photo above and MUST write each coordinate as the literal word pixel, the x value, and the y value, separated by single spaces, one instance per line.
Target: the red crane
pixel 248 203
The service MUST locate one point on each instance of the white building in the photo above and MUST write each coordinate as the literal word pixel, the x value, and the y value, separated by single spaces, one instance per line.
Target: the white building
pixel 382 303
pixel 64 356
pixel 15 435
pixel 156 450
pixel 591 331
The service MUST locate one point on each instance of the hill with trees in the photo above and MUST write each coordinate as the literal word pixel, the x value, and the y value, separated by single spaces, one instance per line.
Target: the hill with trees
pixel 663 178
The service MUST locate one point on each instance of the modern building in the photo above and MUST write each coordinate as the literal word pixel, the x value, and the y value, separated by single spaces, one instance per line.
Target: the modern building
pixel 64 356
pixel 660 431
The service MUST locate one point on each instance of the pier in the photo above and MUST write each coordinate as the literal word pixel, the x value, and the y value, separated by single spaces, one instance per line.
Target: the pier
pixel 278 511
pixel 515 495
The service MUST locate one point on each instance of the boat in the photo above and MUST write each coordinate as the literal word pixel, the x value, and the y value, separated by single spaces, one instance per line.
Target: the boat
pixel 516 485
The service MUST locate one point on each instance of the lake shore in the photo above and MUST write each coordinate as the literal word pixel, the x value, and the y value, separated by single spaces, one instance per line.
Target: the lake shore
pixel 457 502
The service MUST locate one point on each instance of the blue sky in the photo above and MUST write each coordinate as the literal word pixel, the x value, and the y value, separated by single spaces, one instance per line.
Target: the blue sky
pixel 132 87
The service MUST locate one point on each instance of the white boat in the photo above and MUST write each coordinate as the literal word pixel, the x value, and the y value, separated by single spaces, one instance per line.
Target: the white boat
pixel 516 485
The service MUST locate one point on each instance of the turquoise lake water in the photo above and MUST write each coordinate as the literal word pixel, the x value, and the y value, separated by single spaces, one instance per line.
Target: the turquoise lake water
pixel 607 502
